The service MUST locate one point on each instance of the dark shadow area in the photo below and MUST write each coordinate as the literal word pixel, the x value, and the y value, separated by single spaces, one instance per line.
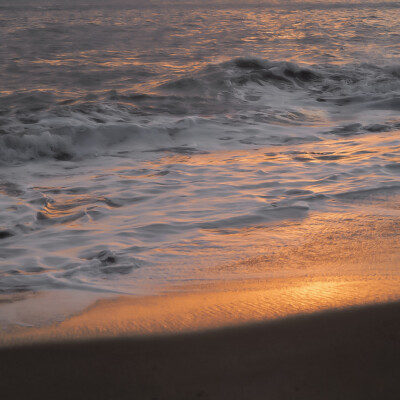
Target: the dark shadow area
pixel 351 354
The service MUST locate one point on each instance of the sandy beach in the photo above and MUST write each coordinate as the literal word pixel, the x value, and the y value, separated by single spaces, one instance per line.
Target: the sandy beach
pixel 190 308
pixel 288 339
pixel 347 354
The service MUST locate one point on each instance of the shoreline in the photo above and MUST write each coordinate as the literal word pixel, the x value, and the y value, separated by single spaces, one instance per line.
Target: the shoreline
pixel 346 354
pixel 205 307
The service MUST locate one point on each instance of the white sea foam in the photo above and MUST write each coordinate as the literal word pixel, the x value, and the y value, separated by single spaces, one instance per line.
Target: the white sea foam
pixel 239 93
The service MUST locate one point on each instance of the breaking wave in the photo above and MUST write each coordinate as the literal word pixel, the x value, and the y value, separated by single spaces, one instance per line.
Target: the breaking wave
pixel 242 92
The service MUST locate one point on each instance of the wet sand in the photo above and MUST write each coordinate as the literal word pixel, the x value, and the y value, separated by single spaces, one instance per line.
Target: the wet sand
pixel 191 308
pixel 347 354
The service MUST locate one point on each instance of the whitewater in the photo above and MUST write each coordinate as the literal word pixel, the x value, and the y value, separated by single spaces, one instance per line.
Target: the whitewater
pixel 145 146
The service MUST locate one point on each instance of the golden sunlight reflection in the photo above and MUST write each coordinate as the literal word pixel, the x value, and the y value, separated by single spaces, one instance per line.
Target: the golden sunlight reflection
pixel 213 306
pixel 177 167
pixel 257 249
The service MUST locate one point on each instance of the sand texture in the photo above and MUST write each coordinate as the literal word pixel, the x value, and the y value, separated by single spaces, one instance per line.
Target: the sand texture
pixel 350 354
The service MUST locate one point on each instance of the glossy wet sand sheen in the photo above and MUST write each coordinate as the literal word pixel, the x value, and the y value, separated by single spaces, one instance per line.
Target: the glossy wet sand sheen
pixel 211 306
pixel 351 354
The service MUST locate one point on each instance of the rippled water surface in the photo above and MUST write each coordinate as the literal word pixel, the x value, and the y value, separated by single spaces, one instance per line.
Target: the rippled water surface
pixel 144 145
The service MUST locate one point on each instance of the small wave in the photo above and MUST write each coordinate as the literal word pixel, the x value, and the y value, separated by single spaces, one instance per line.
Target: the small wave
pixel 242 93
pixel 374 194
pixel 297 210
pixel 322 80
pixel 357 129
pixel 93 264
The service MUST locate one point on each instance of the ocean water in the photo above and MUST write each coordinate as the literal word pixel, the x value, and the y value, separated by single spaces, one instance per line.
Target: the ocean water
pixel 149 145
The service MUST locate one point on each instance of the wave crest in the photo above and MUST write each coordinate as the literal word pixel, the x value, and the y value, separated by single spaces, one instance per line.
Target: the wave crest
pixel 246 91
